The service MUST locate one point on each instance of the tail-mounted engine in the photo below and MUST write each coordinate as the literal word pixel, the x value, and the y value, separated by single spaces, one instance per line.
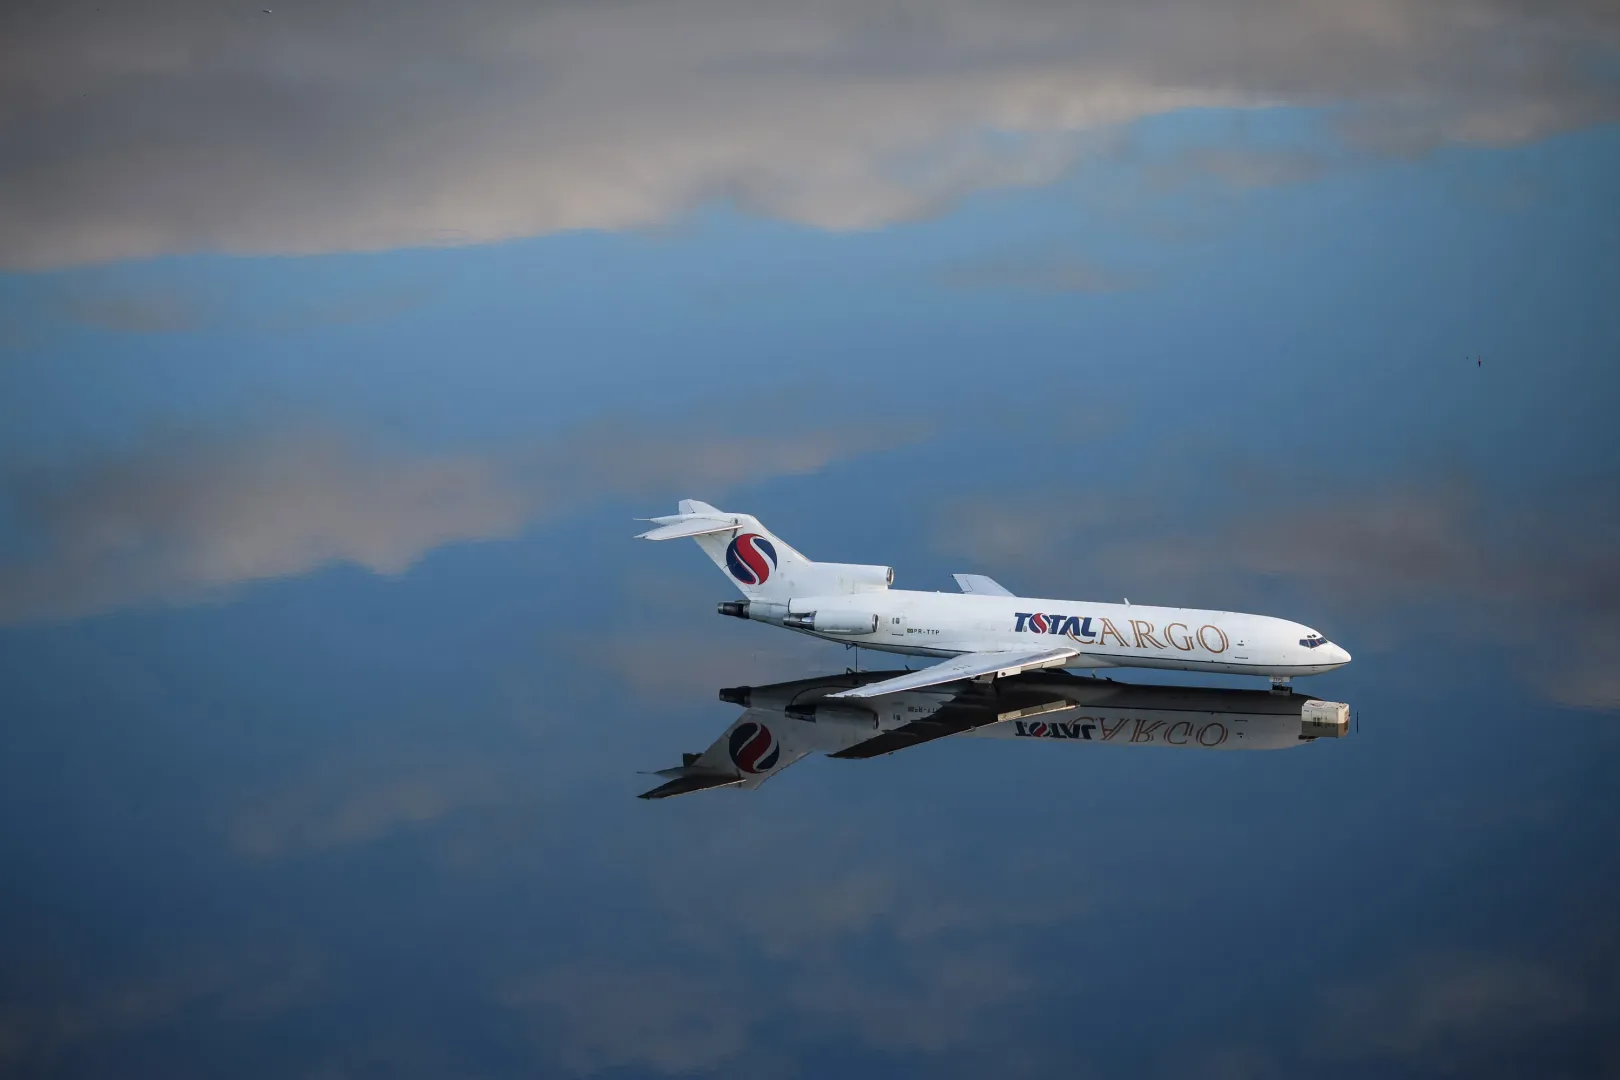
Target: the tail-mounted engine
pixel 832 622
pixel 852 578
pixel 820 622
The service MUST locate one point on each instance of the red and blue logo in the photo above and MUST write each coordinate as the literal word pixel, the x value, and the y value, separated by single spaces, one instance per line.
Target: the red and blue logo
pixel 753 748
pixel 751 558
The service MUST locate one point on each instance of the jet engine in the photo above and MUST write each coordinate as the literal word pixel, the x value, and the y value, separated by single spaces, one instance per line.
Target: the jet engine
pixel 832 622
pixel 852 577
pixel 832 714
pixel 759 610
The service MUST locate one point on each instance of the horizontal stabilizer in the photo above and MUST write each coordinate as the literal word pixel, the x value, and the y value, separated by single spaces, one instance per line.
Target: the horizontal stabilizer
pixel 677 526
pixel 979 585
pixel 966 666
pixel 692 781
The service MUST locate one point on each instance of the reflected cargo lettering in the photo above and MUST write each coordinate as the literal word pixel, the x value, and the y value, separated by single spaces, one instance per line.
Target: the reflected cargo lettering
pixel 1135 730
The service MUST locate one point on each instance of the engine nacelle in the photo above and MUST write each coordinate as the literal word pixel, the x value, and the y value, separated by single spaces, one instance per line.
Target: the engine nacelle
pixel 833 622
pixel 758 610
pixel 853 577
pixel 832 714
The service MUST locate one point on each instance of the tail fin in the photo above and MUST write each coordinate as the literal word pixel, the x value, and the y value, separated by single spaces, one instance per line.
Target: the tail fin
pixel 761 564
pixel 753 748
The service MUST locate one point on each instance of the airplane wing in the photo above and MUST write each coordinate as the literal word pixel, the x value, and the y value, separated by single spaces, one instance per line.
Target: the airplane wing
pixel 954 719
pixel 980 585
pixel 966 666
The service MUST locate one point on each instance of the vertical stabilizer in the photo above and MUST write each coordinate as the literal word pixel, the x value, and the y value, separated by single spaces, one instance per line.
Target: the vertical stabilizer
pixel 761 564
pixel 755 747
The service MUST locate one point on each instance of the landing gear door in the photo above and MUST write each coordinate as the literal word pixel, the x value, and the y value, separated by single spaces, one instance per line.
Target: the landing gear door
pixel 896 625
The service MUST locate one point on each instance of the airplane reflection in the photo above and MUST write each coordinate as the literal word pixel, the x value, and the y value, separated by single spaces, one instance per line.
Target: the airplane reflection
pixel 784 722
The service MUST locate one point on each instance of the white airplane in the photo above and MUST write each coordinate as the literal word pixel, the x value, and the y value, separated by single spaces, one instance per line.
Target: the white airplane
pixel 984 632
pixel 786 722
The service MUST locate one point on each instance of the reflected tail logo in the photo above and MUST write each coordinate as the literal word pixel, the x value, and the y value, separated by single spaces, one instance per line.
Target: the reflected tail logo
pixel 753 748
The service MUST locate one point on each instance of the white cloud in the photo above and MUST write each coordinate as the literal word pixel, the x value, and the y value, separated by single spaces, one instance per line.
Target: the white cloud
pixel 179 520
pixel 357 125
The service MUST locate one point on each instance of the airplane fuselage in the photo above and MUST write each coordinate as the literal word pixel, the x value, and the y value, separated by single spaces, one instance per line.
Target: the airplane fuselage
pixel 938 624
pixel 983 632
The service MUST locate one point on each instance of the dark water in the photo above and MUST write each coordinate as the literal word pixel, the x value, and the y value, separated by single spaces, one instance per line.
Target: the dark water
pixel 387 825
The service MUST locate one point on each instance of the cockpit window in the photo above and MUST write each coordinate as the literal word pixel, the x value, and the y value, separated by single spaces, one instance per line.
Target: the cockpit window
pixel 1315 641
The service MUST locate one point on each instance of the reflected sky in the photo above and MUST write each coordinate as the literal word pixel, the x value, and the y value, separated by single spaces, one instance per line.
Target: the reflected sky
pixel 339 348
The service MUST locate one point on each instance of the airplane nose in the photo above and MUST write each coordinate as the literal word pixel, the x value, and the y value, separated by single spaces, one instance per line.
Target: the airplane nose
pixel 1340 656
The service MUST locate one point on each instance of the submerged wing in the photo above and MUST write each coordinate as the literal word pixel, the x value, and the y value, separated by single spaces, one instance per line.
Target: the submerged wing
pixel 966 666
pixel 955 719
pixel 979 585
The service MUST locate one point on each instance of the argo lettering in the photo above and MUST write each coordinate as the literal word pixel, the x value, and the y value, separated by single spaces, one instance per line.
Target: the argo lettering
pixel 1090 630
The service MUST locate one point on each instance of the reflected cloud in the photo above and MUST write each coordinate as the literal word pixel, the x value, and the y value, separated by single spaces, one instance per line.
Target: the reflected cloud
pixel 686 666
pixel 128 311
pixel 869 941
pixel 101 302
pixel 184 519
pixel 357 306
pixel 807 927
pixel 1042 275
pixel 1428 1011
pixel 1460 1012
pixel 345 803
pixel 185 126
pixel 929 1005
pixel 44 1033
pixel 591 1019
pixel 803 906
pixel 1245 166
